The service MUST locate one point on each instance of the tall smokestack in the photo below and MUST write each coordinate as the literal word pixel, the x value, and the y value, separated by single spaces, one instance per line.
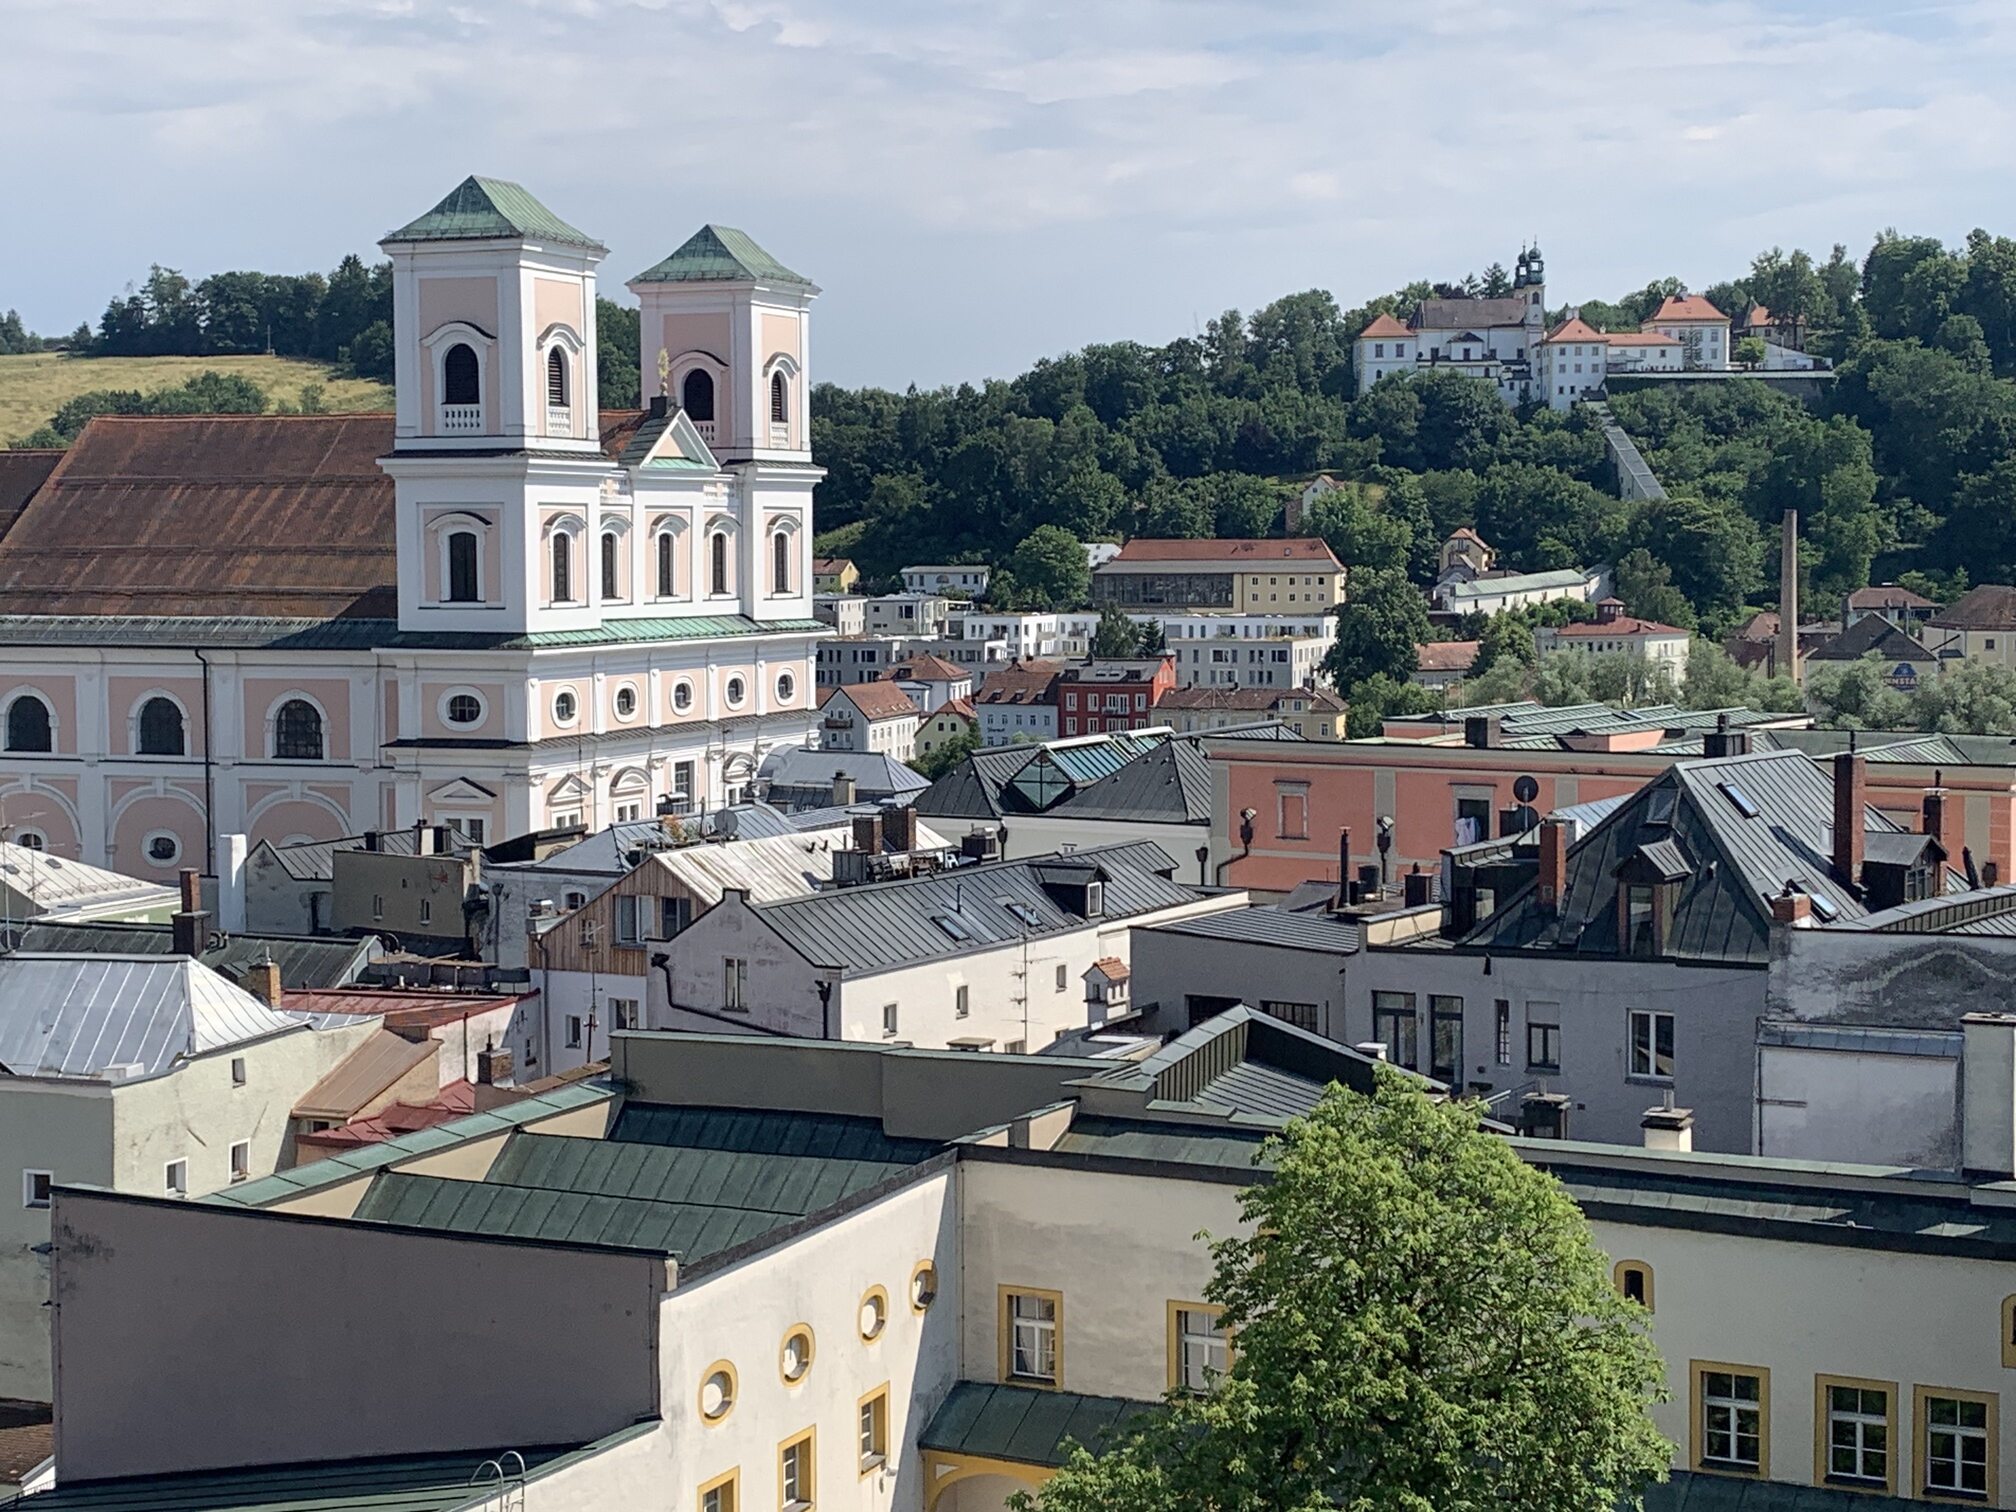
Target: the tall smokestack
pixel 1788 599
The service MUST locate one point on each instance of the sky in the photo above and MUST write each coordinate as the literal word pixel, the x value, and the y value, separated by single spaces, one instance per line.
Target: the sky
pixel 974 186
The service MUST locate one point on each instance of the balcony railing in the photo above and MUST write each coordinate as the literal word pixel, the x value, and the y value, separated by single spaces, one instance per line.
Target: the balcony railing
pixel 780 433
pixel 706 429
pixel 461 419
pixel 559 420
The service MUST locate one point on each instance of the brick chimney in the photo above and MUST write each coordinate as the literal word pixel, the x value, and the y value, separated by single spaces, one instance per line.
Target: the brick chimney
pixel 1937 814
pixel 1792 908
pixel 492 1087
pixel 1553 863
pixel 263 982
pixel 900 826
pixel 188 924
pixel 868 833
pixel 1851 802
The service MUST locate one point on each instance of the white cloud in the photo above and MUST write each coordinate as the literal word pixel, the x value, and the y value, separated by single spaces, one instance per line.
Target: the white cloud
pixel 979 183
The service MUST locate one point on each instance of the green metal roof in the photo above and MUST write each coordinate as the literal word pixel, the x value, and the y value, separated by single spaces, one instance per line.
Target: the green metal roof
pixel 1023 1424
pixel 1691 1492
pixel 701 627
pixel 407 1483
pixel 721 254
pixel 483 209
pixel 367 634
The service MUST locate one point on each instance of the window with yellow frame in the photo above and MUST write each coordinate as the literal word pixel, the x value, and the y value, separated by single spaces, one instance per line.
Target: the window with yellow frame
pixel 1031 1330
pixel 1956 1435
pixel 1731 1412
pixel 1200 1348
pixel 797 1472
pixel 1855 1433
pixel 723 1493
pixel 1633 1280
pixel 872 1429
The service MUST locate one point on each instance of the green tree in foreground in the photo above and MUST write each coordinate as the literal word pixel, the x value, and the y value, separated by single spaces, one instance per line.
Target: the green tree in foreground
pixel 1378 629
pixel 1421 1323
pixel 1048 570
pixel 1381 697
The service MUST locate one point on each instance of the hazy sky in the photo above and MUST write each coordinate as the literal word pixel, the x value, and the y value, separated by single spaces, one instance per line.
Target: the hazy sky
pixel 977 185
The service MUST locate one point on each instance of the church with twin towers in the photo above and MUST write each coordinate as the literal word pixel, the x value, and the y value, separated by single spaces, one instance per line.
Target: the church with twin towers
pixel 500 609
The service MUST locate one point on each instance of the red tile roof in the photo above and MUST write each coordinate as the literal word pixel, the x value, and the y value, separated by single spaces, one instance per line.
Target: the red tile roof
pixel 1384 325
pixel 1686 307
pixel 1888 596
pixel 457 1100
pixel 281 515
pixel 963 707
pixel 1249 553
pixel 1445 656
pixel 1575 329
pixel 1112 968
pixel 403 1010
pixel 1623 624
pixel 928 668
pixel 1991 606
pixel 1640 338
pixel 875 700
pixel 1026 682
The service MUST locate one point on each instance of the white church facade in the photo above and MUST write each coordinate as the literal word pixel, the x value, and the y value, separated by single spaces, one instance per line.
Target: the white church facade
pixel 1506 342
pixel 500 609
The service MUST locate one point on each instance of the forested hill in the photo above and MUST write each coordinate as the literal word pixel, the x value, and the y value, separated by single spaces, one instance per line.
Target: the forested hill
pixel 1909 468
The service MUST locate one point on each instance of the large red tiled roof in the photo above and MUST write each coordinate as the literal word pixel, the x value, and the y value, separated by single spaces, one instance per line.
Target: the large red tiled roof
pixel 287 516
pixel 1573 329
pixel 875 700
pixel 1019 683
pixel 1384 325
pixel 1445 656
pixel 928 668
pixel 1685 307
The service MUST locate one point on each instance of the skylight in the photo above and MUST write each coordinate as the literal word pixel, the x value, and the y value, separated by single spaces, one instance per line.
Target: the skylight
pixel 1022 911
pixel 1824 907
pixel 955 928
pixel 1740 799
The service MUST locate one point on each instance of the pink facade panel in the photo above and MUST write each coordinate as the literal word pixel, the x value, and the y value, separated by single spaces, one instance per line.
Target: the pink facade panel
pixel 156 834
pixel 125 696
pixel 264 697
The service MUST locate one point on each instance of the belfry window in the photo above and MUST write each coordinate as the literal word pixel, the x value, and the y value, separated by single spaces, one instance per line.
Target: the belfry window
pixel 696 395
pixel 718 563
pixel 780 399
pixel 459 376
pixel 611 574
pixel 462 586
pixel 780 563
pixel 563 568
pixel 556 379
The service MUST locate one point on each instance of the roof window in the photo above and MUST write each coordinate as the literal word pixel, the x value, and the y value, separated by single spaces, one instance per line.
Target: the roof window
pixel 954 928
pixel 1740 799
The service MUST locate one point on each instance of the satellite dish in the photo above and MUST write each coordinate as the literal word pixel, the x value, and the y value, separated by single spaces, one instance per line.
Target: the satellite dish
pixel 1525 789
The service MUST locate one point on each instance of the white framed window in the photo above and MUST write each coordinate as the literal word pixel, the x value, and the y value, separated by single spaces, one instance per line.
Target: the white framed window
pixel 682 696
pixel 162 848
pixel 1651 1044
pixel 962 1001
pixel 624 1013
pixel 1860 1434
pixel 35 1188
pixel 626 702
pixel 1729 1418
pixel 573 1031
pixel 1957 1433
pixel 462 707
pixel 565 707
pixel 890 1019
pixel 735 984
pixel 175 1178
pixel 1030 1322
pixel 737 692
pixel 1198 1345
pixel 795 1473
pixel 786 686
pixel 241 1159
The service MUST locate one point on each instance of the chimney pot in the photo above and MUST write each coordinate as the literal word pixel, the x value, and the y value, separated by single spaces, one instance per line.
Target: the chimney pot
pixel 1343 869
pixel 1668 1128
pixel 1372 1049
pixel 1792 908
pixel 263 982
pixel 192 890
pixel 1851 803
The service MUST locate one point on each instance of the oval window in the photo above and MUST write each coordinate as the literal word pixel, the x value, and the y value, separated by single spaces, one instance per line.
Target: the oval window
pixel 717 1392
pixel 465 709
pixel 163 848
pixel 626 702
pixel 874 1313
pixel 564 708
pixel 737 691
pixel 786 686
pixel 923 1286
pixel 682 697
pixel 796 1358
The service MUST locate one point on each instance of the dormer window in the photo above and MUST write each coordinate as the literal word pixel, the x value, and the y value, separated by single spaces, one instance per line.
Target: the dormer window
pixel 1641 919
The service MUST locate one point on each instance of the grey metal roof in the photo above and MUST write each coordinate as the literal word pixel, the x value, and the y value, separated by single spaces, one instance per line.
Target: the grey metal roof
pixel 608 852
pixel 1170 783
pixel 1230 1147
pixel 1982 911
pixel 1024 1424
pixel 1872 635
pixel 1722 912
pixel 795 770
pixel 1688 1491
pixel 315 860
pixel 304 961
pixel 85 1015
pixel 885 924
pixel 1265 924
pixel 973 789
pixel 1942 1044
pixel 684 1181
pixel 404 1483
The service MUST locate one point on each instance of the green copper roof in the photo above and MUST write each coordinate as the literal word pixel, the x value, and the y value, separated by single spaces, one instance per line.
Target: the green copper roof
pixel 1028 1426
pixel 721 254
pixel 482 209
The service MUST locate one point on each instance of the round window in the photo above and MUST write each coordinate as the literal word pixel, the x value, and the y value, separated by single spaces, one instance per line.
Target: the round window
pixel 874 1313
pixel 786 686
pixel 563 708
pixel 626 701
pixel 32 840
pixel 682 697
pixel 737 691
pixel 464 709
pixel 923 1286
pixel 796 1358
pixel 717 1392
pixel 163 848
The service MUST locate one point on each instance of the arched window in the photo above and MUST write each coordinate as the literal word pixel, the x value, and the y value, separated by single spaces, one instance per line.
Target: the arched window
pixel 297 731
pixel 28 726
pixel 717 550
pixel 563 567
pixel 556 379
pixel 609 573
pixel 161 728
pixel 459 376
pixel 666 579
pixel 780 563
pixel 1633 1279
pixel 696 395
pixel 462 568
pixel 780 399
